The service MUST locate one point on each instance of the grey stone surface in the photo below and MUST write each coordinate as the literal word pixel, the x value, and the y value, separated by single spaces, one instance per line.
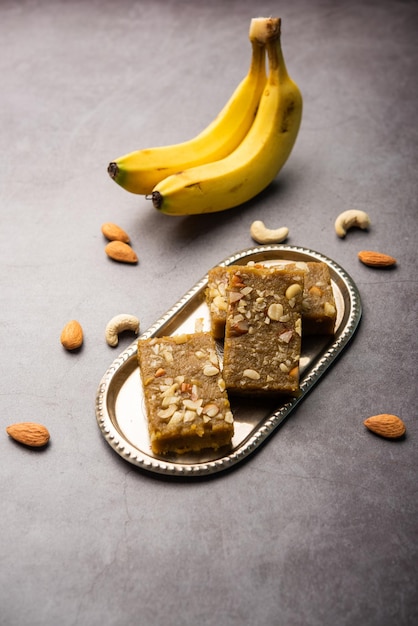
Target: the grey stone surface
pixel 320 527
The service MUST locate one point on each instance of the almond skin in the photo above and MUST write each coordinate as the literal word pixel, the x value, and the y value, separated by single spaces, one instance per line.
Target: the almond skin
pixel 386 425
pixel 120 251
pixel 72 335
pixel 29 434
pixel 113 232
pixel 376 259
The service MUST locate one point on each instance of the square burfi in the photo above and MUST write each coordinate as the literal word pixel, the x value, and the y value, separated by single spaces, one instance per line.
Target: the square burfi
pixel 186 402
pixel 319 311
pixel 263 330
pixel 217 299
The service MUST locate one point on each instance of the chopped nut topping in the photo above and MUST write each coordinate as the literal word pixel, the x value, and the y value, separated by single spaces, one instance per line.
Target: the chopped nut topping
pixel 275 311
pixel 286 336
pixel 179 339
pixel 228 417
pixel 194 394
pixel 236 281
pixel 315 291
pixel 169 391
pixel 193 405
pixel 302 266
pixel 220 302
pixel 166 413
pixel 199 324
pixel 210 370
pixel 213 358
pixel 329 309
pixel 249 373
pixel 211 409
pixel 240 328
pixel 293 290
pixel 189 416
pixel 169 400
pixel 222 288
pixel 168 355
pixel 177 418
pixel 186 388
pixel 234 296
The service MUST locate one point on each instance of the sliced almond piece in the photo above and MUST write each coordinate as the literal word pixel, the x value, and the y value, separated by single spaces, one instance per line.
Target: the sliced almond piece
pixel 376 259
pixel 386 425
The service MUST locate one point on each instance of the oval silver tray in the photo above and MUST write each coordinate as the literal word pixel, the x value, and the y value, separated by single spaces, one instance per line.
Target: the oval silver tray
pixel 120 409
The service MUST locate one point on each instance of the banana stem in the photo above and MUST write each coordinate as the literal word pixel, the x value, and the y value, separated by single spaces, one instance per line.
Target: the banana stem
pixel 113 170
pixel 156 198
pixel 264 29
pixel 276 60
pixel 258 57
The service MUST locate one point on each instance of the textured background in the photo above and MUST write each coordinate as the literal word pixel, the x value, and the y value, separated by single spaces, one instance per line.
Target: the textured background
pixel 320 527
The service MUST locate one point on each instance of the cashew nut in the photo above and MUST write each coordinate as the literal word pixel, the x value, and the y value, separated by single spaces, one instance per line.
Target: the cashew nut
pixel 118 324
pixel 352 217
pixel 261 234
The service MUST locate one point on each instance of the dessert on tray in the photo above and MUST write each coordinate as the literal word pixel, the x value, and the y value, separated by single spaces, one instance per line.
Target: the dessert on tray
pixel 260 313
pixel 263 330
pixel 186 402
pixel 318 304
pixel 217 298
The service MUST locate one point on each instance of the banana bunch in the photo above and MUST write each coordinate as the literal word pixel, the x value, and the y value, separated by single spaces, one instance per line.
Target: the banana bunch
pixel 238 154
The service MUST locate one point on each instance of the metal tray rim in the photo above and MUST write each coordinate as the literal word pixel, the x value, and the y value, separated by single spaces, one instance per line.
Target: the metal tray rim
pixel 160 466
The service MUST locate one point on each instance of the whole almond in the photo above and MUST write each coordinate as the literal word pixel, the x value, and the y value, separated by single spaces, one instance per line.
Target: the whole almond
pixel 72 335
pixel 113 232
pixel 120 251
pixel 29 433
pixel 376 259
pixel 386 425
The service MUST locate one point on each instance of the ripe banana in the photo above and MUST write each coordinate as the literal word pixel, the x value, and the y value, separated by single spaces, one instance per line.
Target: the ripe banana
pixel 256 161
pixel 139 171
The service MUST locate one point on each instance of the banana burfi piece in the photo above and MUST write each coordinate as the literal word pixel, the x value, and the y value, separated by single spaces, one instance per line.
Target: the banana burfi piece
pixel 319 312
pixel 185 398
pixel 217 298
pixel 263 330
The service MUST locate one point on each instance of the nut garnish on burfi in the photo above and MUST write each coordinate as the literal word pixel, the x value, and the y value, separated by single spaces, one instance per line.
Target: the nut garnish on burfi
pixel 186 402
pixel 263 330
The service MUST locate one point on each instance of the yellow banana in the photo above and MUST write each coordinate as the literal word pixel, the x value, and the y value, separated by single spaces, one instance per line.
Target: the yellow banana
pixel 139 171
pixel 255 162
